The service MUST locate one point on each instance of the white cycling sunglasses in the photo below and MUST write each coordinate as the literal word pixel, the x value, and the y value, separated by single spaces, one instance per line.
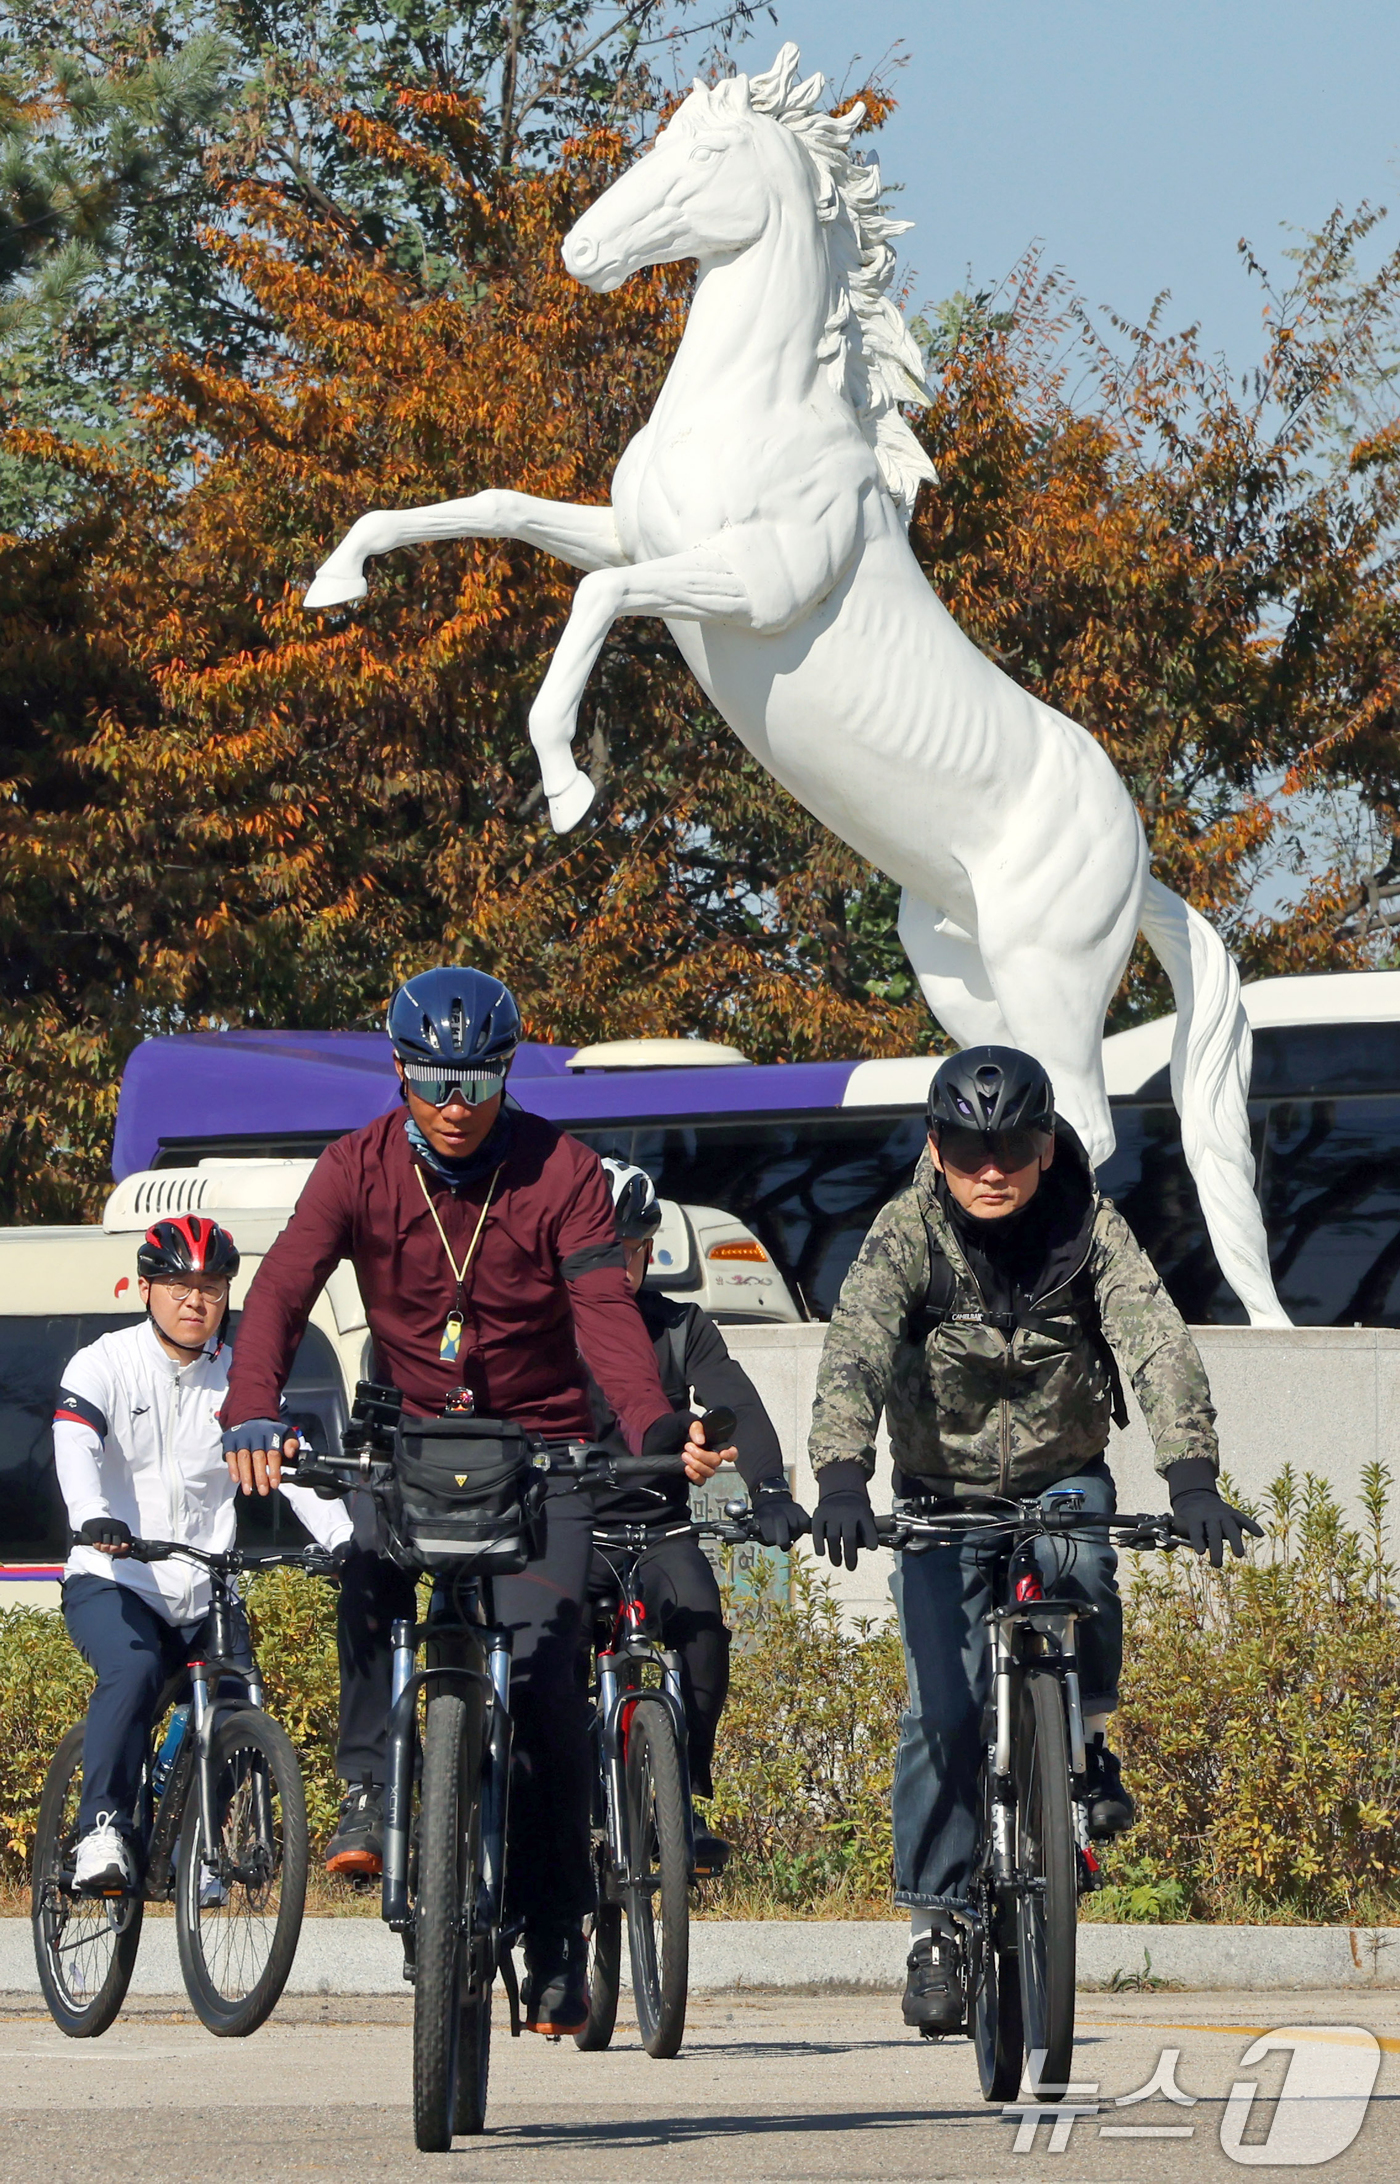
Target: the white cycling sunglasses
pixel 437 1081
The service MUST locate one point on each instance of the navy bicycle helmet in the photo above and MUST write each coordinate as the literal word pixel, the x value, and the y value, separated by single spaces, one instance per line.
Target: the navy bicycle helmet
pixel 449 1024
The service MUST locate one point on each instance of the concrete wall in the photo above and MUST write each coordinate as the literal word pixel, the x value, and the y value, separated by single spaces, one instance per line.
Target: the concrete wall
pixel 1324 1399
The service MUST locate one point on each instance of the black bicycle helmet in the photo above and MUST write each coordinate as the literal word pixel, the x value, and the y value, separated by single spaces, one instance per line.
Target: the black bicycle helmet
pixel 991 1088
pixel 636 1207
pixel 450 1021
pixel 187 1243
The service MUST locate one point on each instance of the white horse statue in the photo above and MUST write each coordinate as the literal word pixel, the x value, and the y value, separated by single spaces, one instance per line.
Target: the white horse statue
pixel 763 513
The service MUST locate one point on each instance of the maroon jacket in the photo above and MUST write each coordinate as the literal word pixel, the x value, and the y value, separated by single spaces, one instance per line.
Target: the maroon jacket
pixel 546 1284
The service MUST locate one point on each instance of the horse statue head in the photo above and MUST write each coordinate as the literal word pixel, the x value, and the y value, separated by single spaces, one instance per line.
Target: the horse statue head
pixel 739 159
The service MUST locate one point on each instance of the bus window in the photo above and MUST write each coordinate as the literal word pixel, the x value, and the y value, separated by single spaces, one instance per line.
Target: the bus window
pixel 33 1353
pixel 1332 1204
pixel 808 1186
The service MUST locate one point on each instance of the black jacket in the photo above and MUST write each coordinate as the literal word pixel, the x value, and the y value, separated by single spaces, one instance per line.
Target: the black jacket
pixel 691 1355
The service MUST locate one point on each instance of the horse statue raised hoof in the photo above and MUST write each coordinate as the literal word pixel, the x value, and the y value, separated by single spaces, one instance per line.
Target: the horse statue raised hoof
pixel 762 512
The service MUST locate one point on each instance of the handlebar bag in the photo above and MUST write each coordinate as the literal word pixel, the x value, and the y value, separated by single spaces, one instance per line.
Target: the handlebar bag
pixel 464 1494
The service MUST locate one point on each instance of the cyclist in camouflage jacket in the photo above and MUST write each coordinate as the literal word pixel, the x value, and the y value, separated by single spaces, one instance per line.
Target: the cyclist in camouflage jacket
pixel 987 1315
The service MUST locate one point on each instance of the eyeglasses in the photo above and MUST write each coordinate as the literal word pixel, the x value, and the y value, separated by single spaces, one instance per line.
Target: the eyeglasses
pixel 971 1150
pixel 207 1292
pixel 436 1083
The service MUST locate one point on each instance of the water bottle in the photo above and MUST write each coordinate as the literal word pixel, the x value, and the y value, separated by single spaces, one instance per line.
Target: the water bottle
pixel 170 1746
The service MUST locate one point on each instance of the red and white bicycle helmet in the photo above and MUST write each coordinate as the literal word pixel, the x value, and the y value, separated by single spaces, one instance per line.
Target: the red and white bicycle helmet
pixel 186 1243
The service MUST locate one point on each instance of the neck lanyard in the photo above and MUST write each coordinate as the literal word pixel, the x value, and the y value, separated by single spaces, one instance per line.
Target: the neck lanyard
pixel 452 1331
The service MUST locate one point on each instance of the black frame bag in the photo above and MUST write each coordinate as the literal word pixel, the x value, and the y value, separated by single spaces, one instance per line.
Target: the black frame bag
pixel 465 1495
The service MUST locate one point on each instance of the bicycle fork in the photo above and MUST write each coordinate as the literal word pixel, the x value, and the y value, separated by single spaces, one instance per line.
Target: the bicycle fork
pixel 398 1780
pixel 1060 1628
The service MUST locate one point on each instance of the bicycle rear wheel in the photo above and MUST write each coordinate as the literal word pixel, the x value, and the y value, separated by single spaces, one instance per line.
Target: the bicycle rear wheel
pixel 452 1994
pixel 995 2010
pixel 84 1946
pixel 1046 1908
pixel 658 1892
pixel 238 1911
pixel 604 1934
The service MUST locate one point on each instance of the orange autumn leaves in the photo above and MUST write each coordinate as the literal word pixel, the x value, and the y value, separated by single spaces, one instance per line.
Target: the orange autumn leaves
pixel 225 811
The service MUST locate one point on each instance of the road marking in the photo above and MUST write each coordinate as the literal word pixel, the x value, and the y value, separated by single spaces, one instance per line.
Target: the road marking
pixel 1337 2035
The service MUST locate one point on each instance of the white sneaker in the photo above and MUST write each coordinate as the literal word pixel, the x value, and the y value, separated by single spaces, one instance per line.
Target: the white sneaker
pixel 104 1864
pixel 213 1893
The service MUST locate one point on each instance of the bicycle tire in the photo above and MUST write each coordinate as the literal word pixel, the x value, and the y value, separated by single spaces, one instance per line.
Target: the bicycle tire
pixel 235 1954
pixel 474 2011
pixel 1046 1911
pixel 447 2022
pixel 604 1935
pixel 994 2007
pixel 658 1878
pixel 84 1974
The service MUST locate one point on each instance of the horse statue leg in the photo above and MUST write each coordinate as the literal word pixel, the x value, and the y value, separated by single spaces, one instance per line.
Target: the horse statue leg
pixel 952 977
pixel 584 537
pixel 693 586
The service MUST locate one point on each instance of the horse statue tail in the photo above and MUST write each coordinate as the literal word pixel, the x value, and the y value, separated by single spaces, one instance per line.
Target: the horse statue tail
pixel 1211 1056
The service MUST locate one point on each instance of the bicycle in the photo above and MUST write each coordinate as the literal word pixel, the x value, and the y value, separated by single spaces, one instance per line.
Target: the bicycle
pixel 643 1837
pixel 1034 1860
pixel 458 1494
pixel 224 1835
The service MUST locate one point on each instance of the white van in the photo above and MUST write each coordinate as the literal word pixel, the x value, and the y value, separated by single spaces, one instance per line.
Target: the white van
pixel 62 1287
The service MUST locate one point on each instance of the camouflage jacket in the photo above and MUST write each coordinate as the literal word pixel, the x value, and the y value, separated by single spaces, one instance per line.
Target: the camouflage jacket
pixel 970 1406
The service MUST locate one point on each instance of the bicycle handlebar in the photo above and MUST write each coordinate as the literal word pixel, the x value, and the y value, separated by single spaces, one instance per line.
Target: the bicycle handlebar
pixel 318 1560
pixel 1024 1520
pixel 588 1463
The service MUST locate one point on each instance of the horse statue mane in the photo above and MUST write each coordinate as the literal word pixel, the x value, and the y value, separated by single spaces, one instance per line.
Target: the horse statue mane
pixel 872 359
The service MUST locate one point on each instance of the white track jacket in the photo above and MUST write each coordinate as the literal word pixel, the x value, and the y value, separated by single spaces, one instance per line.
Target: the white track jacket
pixel 137 1436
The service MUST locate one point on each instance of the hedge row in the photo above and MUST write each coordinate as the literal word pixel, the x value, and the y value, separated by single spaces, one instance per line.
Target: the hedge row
pixel 1260 1728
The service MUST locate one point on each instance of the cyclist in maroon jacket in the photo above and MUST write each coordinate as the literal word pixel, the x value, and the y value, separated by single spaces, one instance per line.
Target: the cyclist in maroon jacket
pixel 484 1245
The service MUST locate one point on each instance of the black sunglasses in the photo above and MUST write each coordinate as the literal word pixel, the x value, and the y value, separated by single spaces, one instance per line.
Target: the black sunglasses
pixel 970 1150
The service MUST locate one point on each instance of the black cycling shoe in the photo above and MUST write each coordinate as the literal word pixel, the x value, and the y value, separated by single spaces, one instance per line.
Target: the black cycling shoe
pixel 1111 1809
pixel 711 1850
pixel 933 1992
pixel 357 1846
pixel 554 1993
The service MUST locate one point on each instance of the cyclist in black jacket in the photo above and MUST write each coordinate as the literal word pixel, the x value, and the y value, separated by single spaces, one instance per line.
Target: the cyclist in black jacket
pixel 678 1585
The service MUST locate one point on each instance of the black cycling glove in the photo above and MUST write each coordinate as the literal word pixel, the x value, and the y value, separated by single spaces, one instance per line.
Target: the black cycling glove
pixel 105 1532
pixel 1207 1521
pixel 780 1519
pixel 843 1521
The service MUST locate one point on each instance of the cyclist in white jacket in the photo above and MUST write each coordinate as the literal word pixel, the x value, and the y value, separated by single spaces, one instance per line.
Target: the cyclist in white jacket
pixel 139 1452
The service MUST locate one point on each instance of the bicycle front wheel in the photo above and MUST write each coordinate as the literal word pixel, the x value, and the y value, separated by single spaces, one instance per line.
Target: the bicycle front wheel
pixel 658 1889
pixel 84 1946
pixel 239 1902
pixel 452 1992
pixel 1046 1907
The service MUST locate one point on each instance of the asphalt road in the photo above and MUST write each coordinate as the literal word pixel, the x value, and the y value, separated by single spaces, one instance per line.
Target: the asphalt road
pixel 766 2087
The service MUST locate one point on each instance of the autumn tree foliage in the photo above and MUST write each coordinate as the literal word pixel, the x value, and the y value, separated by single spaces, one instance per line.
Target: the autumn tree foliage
pixel 220 810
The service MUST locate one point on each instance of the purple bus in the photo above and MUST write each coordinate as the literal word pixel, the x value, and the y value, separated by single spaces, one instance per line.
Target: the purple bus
pixel 805 1153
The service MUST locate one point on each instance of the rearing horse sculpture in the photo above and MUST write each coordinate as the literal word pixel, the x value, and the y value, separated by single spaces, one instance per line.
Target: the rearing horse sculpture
pixel 763 513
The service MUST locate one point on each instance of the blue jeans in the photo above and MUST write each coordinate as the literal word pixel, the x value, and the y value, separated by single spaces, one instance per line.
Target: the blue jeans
pixel 940 1597
pixel 134 1652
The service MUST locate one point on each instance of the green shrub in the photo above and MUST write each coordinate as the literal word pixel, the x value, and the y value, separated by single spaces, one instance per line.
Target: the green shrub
pixel 44 1686
pixel 806 1756
pixel 1261 1718
pixel 1260 1729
